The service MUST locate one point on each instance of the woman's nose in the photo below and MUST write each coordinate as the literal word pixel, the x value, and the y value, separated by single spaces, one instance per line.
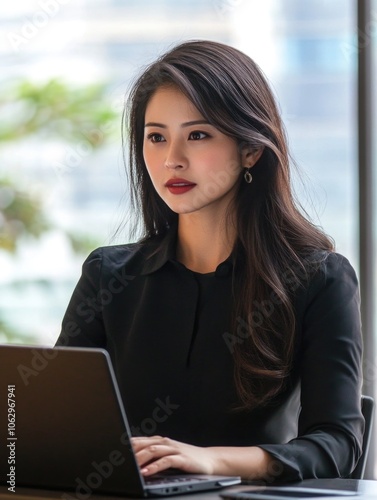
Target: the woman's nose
pixel 175 158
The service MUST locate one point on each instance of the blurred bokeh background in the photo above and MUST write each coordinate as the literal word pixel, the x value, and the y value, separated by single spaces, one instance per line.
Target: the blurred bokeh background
pixel 65 69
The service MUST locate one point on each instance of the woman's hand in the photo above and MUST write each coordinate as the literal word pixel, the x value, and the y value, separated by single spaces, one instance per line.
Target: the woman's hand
pixel 155 454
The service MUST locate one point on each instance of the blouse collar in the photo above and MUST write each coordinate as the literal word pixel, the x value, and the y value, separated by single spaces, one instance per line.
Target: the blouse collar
pixel 163 251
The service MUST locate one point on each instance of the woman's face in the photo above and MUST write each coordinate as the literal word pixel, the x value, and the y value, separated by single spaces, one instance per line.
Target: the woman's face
pixel 192 165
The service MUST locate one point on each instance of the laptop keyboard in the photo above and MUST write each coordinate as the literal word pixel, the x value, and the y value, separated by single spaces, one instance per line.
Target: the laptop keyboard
pixel 172 479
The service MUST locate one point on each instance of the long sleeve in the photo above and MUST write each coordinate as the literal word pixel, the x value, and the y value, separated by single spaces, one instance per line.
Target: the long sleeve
pixel 329 362
pixel 82 323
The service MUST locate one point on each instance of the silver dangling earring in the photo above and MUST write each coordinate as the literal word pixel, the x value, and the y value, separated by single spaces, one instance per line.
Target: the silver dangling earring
pixel 247 176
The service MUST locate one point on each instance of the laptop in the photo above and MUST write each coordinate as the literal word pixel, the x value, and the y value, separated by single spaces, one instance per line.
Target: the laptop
pixel 64 427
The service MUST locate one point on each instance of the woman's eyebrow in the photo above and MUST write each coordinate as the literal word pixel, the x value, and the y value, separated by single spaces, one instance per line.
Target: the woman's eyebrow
pixel 186 124
pixel 195 122
pixel 154 124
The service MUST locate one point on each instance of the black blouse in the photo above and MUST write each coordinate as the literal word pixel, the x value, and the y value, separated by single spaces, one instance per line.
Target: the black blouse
pixel 168 332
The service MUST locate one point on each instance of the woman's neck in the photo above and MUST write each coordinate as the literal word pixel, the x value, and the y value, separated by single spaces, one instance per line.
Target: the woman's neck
pixel 203 243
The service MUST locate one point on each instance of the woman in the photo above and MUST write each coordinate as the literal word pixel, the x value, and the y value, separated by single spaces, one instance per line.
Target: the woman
pixel 232 325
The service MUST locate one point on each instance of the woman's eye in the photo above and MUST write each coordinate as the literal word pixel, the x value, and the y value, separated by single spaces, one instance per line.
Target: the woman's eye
pixel 196 136
pixel 155 137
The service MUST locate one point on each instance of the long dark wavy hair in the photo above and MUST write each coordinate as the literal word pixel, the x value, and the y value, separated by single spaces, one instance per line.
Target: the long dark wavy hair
pixel 274 238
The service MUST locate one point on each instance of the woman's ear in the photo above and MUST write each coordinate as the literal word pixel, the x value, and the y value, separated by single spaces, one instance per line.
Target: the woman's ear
pixel 250 156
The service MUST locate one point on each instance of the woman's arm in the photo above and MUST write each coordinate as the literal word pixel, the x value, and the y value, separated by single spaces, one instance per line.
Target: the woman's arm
pixel 155 454
pixel 330 363
pixel 82 323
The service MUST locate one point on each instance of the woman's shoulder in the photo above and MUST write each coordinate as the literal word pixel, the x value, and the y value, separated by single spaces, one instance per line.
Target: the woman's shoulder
pixel 129 255
pixel 325 264
pixel 331 271
pixel 121 251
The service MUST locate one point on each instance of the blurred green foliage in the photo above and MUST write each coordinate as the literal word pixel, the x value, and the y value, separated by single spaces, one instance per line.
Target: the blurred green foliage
pixel 10 335
pixel 40 111
pixel 20 215
pixel 51 109
pixel 55 109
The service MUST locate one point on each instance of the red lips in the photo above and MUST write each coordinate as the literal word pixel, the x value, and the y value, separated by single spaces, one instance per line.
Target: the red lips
pixel 179 186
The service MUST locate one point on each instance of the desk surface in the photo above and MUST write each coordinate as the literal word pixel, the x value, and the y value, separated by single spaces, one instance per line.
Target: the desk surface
pixel 365 488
